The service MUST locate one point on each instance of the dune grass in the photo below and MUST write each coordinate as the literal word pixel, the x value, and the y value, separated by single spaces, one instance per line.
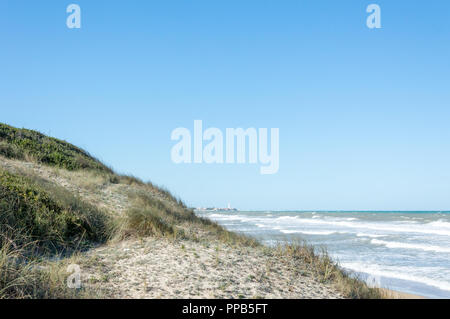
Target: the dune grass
pixel 23 277
pixel 328 271
pixel 39 221
pixel 29 145
pixel 28 276
pixel 167 216
pixel 49 215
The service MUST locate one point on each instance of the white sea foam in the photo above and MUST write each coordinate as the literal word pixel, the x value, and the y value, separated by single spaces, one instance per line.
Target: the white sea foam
pixel 439 227
pixel 392 244
pixel 440 224
pixel 287 231
pixel 224 217
pixel 221 216
pixel 434 228
pixel 287 218
pixel 403 273
pixel 369 235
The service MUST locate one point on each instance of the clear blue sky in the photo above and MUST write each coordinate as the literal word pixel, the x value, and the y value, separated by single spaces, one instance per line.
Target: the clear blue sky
pixel 363 114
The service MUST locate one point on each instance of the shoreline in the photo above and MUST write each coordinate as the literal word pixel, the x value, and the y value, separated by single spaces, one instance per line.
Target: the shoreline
pixel 393 294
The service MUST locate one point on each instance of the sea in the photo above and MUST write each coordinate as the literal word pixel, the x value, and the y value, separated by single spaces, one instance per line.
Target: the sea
pixel 403 251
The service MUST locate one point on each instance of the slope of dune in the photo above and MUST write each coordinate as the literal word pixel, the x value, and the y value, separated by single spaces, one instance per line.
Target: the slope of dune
pixel 130 239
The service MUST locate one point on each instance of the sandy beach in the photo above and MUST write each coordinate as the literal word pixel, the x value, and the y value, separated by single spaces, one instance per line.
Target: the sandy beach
pixel 391 294
pixel 155 268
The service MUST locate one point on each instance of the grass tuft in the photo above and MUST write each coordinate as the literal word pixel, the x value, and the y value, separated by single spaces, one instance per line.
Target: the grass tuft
pixel 327 271
pixel 36 211
pixel 24 277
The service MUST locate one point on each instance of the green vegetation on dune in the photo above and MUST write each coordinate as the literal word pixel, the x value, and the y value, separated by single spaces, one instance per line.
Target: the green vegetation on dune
pixel 26 144
pixel 169 217
pixel 22 277
pixel 37 220
pixel 34 211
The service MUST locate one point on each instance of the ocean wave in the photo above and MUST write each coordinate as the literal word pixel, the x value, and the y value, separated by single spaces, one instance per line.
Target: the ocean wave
pixel 369 235
pixel 435 228
pixel 306 232
pixel 440 224
pixel 219 216
pixel 438 227
pixel 242 218
pixel 281 218
pixel 392 244
pixel 403 273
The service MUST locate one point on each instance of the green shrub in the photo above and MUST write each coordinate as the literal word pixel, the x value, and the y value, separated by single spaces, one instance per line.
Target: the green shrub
pixel 152 216
pixel 47 214
pixel 146 222
pixel 21 143
pixel 167 206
